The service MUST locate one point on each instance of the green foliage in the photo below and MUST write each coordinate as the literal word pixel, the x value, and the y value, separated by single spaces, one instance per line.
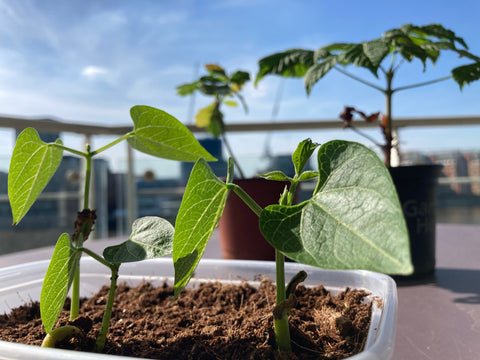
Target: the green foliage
pixel 32 165
pixel 302 154
pixel 408 42
pixel 353 221
pixel 202 206
pixel 151 237
pixel 290 63
pixel 57 281
pixel 159 134
pixel 222 87
pixel 383 57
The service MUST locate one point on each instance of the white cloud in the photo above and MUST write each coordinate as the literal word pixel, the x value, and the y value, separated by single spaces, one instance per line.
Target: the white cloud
pixel 92 71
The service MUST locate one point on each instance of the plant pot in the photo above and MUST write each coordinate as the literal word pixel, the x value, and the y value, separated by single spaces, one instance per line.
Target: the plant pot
pixel 22 283
pixel 240 236
pixel 416 188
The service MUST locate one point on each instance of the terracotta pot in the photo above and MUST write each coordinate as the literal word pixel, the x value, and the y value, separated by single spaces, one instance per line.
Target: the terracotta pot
pixel 240 236
pixel 416 188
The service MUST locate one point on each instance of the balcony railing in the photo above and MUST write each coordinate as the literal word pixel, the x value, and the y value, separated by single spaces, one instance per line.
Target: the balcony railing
pixel 129 206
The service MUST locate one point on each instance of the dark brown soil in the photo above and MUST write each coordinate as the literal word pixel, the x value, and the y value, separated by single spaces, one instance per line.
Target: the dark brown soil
pixel 213 321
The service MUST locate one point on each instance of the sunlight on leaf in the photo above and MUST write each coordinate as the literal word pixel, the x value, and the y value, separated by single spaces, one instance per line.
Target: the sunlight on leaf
pixel 159 134
pixel 198 216
pixel 354 220
pixel 32 165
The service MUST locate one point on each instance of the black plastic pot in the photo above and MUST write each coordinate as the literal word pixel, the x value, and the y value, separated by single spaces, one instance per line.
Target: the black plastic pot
pixel 416 188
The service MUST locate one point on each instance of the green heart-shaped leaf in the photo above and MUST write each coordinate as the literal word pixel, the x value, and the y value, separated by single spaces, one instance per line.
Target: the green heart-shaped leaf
pixel 151 237
pixel 198 216
pixel 57 281
pixel 32 165
pixel 159 134
pixel 354 220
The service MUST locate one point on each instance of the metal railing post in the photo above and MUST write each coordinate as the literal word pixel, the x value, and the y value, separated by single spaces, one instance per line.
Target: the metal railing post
pixel 131 190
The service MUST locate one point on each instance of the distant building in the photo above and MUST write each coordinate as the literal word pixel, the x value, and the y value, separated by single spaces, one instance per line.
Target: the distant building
pixel 455 164
pixel 473 165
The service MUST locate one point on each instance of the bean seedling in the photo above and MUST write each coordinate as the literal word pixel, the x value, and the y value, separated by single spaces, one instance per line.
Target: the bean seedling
pixel 352 221
pixel 33 164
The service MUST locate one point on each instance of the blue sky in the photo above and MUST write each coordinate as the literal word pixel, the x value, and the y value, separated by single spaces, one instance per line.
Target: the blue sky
pixel 90 61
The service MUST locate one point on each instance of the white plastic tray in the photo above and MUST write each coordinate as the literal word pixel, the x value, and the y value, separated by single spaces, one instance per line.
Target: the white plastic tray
pixel 22 283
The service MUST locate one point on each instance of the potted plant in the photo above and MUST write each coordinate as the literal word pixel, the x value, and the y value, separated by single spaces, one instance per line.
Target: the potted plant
pixel 238 227
pixel 383 57
pixel 352 221
pixel 33 164
pixel 22 283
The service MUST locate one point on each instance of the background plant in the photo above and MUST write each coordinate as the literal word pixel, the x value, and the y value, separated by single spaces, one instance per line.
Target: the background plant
pixel 33 164
pixel 224 88
pixel 352 221
pixel 383 57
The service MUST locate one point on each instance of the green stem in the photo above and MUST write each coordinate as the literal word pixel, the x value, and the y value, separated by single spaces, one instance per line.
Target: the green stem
pixel 366 136
pixel 102 335
pixel 96 257
pixel 75 298
pixel 281 327
pixel 120 139
pixel 73 151
pixel 88 175
pixel 359 79
pixel 388 113
pixel 422 83
pixel 282 334
pixel 257 209
pixel 230 152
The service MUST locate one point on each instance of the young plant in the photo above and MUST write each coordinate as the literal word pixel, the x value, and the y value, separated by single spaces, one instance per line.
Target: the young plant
pixel 352 221
pixel 223 88
pixel 33 164
pixel 383 57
